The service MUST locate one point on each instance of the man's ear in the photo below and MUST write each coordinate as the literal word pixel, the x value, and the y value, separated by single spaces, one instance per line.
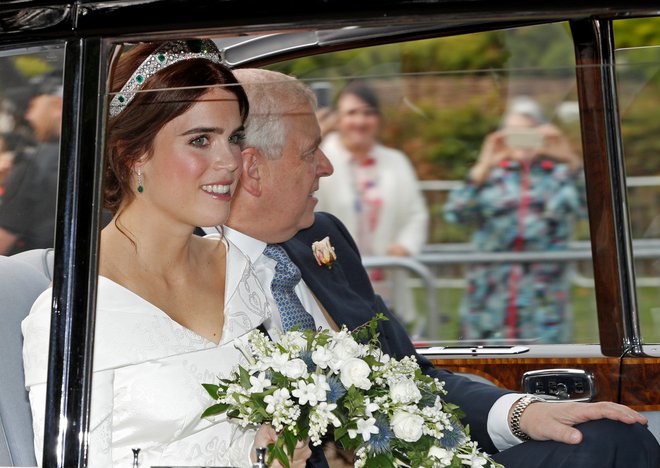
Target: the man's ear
pixel 251 177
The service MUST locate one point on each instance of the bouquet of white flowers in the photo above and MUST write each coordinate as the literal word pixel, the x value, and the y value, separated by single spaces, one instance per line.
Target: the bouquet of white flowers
pixel 387 411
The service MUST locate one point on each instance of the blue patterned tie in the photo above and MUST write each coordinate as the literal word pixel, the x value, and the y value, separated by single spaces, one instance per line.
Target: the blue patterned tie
pixel 287 276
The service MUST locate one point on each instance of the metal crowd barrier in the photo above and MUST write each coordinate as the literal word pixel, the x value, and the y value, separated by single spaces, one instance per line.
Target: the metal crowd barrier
pixel 437 255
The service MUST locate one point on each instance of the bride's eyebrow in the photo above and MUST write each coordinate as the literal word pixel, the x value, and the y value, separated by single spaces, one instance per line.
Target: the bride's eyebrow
pixel 196 130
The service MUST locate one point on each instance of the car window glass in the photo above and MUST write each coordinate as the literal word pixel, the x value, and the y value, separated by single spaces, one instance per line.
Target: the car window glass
pixel 30 121
pixel 448 272
pixel 638 79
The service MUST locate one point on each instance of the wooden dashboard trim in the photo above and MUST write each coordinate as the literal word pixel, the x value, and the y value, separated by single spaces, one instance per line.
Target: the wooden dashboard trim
pixel 639 384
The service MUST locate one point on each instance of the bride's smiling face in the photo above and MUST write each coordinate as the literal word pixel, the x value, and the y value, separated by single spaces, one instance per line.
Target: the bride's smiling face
pixel 195 162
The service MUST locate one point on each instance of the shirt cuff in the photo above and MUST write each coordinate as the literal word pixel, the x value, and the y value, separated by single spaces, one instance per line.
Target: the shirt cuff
pixel 498 422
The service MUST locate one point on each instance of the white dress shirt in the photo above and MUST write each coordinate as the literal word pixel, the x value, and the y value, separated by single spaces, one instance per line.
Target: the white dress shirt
pixel 264 267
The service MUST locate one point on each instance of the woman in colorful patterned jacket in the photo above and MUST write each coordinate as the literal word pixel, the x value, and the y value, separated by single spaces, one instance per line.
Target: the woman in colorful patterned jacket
pixel 523 194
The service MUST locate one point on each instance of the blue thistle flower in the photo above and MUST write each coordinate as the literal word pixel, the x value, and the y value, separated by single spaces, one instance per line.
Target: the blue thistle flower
pixel 337 390
pixel 380 443
pixel 306 356
pixel 453 437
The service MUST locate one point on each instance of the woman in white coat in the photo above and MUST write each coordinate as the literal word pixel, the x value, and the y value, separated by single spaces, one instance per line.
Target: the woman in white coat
pixel 374 190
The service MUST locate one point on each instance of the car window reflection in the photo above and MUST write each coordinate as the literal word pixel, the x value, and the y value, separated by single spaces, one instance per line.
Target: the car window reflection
pixel 30 124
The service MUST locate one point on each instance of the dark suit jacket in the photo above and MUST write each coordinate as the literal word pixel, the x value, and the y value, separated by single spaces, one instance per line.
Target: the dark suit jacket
pixel 346 293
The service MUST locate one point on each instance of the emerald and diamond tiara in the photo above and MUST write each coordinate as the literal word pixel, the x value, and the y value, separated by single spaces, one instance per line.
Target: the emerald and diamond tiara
pixel 165 55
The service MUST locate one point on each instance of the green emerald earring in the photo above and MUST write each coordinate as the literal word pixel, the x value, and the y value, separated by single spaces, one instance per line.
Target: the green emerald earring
pixel 140 188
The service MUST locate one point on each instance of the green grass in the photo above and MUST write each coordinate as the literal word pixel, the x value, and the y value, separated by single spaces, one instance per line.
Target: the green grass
pixel 583 302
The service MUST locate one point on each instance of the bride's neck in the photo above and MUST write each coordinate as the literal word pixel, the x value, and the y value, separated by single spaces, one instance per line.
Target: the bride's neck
pixel 157 249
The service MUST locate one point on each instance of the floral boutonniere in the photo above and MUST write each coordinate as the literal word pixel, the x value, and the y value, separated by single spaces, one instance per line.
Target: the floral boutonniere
pixel 324 252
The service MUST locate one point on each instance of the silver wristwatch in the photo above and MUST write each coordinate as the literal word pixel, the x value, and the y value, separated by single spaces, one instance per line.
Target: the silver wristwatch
pixel 517 412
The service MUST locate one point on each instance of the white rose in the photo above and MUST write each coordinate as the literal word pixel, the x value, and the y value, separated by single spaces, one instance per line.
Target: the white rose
pixel 278 361
pixel 407 426
pixel 405 391
pixel 335 363
pixel 444 456
pixel 294 369
pixel 356 372
pixel 346 348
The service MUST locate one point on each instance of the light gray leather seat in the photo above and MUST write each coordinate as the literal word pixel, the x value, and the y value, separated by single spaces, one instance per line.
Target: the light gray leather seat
pixel 20 284
pixel 41 259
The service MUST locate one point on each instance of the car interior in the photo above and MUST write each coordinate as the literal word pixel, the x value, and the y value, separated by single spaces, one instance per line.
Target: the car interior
pixel 595 88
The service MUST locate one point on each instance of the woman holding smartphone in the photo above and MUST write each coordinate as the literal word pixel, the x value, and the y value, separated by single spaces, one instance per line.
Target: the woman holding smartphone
pixel 523 194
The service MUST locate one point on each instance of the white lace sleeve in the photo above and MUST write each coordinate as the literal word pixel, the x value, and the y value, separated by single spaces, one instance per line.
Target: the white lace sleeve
pixel 100 429
pixel 242 440
pixel 38 406
pixel 36 333
pixel 100 424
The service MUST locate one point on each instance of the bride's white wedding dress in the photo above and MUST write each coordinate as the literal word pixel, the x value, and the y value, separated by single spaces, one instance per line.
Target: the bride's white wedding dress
pixel 148 371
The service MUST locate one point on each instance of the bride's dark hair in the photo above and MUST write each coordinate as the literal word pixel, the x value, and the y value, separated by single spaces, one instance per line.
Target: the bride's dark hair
pixel 131 133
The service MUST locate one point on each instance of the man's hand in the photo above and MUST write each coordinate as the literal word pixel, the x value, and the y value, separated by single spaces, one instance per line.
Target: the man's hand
pixel 555 421
pixel 267 435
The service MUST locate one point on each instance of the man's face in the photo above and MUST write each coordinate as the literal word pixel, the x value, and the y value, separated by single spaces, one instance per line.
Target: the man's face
pixel 44 115
pixel 289 183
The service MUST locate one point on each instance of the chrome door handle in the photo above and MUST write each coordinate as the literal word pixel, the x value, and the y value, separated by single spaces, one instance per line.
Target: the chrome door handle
pixel 560 384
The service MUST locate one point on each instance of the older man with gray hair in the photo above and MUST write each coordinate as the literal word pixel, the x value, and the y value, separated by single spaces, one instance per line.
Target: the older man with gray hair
pixel 272 220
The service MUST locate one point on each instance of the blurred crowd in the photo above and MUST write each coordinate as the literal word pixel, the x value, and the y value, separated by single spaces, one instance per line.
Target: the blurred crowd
pixel 30 123
pixel 374 191
pixel 524 193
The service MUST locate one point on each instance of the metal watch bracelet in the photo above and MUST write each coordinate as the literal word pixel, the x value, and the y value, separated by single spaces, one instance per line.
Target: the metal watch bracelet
pixel 517 412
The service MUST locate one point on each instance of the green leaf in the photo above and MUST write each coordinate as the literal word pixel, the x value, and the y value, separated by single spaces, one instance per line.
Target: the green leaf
pixel 372 361
pixel 276 451
pixel 211 390
pixel 380 461
pixel 215 409
pixel 401 455
pixel 290 440
pixel 244 378
pixel 340 432
pixel 279 381
pixel 353 401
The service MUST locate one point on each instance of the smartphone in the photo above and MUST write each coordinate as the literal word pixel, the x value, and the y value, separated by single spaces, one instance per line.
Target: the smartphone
pixel 523 138
pixel 323 92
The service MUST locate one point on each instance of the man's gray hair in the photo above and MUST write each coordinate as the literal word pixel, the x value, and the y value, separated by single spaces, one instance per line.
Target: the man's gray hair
pixel 272 96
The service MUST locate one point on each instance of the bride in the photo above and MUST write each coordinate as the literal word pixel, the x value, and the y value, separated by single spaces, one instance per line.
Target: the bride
pixel 171 305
